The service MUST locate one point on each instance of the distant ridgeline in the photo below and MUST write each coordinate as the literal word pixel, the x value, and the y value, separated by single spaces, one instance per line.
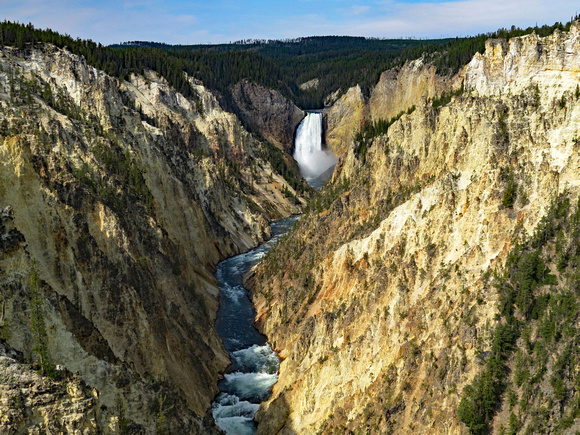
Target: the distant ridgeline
pixel 338 62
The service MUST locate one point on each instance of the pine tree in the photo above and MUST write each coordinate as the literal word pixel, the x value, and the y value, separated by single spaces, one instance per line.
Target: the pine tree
pixel 37 324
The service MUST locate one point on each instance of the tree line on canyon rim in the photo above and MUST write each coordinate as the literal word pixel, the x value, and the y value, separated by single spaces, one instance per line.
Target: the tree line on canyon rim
pixel 338 62
pixel 526 286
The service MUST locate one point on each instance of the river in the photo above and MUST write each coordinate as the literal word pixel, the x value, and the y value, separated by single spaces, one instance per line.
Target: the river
pixel 254 370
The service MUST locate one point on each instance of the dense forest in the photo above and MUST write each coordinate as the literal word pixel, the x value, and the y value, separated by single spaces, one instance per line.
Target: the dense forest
pixel 338 62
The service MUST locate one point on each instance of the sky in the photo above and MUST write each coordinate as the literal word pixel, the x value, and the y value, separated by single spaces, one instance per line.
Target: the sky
pixel 221 21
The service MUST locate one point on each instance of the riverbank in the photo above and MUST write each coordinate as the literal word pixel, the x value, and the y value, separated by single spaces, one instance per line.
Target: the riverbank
pixel 254 369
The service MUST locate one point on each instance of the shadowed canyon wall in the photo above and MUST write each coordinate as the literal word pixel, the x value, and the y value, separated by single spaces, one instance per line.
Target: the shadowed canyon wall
pixel 122 196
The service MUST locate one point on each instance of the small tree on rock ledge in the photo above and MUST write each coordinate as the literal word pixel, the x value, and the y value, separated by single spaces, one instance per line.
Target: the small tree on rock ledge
pixel 37 325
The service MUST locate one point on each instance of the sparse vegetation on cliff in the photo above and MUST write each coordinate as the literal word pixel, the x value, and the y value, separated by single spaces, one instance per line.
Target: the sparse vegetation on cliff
pixel 337 62
pixel 127 206
pixel 286 166
pixel 381 288
pixel 38 325
pixel 538 311
pixel 445 98
pixel 369 130
pixel 117 63
pixel 511 190
pixel 457 319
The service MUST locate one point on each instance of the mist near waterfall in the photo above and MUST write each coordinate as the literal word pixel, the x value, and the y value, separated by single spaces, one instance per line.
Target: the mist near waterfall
pixel 308 153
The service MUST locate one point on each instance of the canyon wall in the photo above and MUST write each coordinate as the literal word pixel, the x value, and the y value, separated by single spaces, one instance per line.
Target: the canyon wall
pixel 384 301
pixel 396 91
pixel 121 197
pixel 266 111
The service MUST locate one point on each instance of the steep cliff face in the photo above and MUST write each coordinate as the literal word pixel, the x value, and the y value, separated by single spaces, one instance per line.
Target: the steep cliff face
pixel 381 301
pixel 123 196
pixel 396 91
pixel 343 119
pixel 267 112
pixel 61 406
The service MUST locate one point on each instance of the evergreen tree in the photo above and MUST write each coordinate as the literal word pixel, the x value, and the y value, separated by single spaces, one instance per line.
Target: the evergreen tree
pixel 37 324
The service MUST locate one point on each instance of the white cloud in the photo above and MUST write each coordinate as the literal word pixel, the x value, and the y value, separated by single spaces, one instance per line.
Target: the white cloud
pixel 456 18
pixel 188 19
pixel 427 19
pixel 110 21
pixel 359 10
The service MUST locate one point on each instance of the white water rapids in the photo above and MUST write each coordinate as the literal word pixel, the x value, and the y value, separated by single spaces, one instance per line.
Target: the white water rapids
pixel 312 159
pixel 254 369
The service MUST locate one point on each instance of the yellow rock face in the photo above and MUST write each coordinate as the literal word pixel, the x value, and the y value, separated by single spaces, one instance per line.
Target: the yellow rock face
pixel 343 120
pixel 380 303
pixel 397 91
pixel 126 195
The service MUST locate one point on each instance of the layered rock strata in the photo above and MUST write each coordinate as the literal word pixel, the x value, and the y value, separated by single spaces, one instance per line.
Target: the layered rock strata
pixel 122 196
pixel 380 303
pixel 396 91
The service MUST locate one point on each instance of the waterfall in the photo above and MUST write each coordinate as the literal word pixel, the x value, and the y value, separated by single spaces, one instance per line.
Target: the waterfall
pixel 308 153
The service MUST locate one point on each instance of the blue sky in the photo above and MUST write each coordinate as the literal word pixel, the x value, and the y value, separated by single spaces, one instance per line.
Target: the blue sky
pixel 217 21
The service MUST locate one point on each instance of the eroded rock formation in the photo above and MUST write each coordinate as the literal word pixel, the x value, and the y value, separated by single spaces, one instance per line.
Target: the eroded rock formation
pixel 396 91
pixel 267 112
pixel 123 195
pixel 380 303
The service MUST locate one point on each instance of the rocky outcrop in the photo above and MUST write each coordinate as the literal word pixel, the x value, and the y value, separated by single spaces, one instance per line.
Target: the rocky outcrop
pixel 396 91
pixel 380 303
pixel 122 197
pixel 30 402
pixel 310 84
pixel 343 119
pixel 267 112
pixel 510 67
pixel 412 84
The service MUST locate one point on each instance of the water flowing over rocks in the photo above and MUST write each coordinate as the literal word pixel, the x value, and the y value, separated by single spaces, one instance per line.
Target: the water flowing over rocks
pixel 124 195
pixel 378 302
pixel 121 197
pixel 312 158
pixel 268 112
pixel 255 365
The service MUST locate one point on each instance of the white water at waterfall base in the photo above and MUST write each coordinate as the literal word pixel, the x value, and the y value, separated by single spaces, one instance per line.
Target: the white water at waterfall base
pixel 312 159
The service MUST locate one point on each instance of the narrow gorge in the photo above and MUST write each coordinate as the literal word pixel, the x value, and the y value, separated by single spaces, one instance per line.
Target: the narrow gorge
pixel 406 299
pixel 410 250
pixel 255 365
pixel 120 197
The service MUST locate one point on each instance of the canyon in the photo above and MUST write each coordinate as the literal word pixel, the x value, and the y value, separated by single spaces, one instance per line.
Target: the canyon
pixel 122 196
pixel 385 303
